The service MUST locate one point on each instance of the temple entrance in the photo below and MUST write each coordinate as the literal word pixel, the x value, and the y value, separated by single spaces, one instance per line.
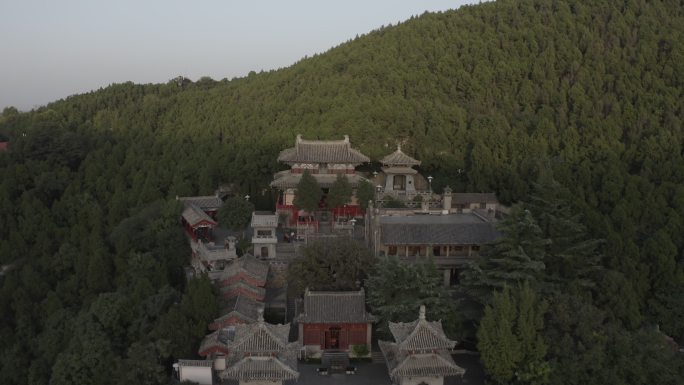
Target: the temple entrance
pixel 332 338
pixel 264 252
pixel 399 182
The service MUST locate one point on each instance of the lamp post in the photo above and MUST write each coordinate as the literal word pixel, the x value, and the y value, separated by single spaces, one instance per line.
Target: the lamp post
pixel 429 178
pixel 353 223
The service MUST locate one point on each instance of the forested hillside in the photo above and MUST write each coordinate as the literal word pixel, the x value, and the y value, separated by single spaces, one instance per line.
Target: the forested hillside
pixel 585 93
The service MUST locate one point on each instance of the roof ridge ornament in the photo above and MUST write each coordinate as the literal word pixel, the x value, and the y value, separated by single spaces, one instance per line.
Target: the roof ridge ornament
pixel 260 315
pixel 421 313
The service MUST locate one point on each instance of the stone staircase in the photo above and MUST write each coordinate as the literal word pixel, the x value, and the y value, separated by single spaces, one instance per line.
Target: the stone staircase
pixel 286 251
pixel 335 360
pixel 377 357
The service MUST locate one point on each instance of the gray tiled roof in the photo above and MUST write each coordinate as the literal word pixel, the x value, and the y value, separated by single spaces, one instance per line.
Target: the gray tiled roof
pixel 261 352
pixel 398 158
pixel 399 170
pixel 259 368
pixel 420 335
pixel 452 229
pixel 287 179
pixel 420 350
pixel 465 198
pixel 242 307
pixel 322 151
pixel 335 306
pixel 194 215
pixel 403 365
pixel 259 291
pixel 219 339
pixel 249 265
pixel 207 202
pixel 260 337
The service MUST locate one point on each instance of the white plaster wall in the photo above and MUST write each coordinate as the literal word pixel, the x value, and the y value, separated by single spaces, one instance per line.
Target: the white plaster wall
pixel 198 374
pixel 410 183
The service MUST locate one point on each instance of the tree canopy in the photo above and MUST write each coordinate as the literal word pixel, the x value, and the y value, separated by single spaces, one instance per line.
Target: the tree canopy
pixel 235 213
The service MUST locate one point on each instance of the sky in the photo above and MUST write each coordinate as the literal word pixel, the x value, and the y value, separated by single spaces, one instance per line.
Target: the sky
pixel 52 49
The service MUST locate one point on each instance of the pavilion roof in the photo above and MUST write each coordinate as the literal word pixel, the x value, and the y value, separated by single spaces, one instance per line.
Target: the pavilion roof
pixel 420 335
pixel 194 215
pixel 399 170
pixel 398 158
pixel 322 151
pixel 260 368
pixel 335 306
pixel 401 364
pixel 260 337
pixel 420 350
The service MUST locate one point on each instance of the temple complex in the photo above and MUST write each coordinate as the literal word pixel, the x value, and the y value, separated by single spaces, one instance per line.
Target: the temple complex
pixel 324 159
pixel 420 353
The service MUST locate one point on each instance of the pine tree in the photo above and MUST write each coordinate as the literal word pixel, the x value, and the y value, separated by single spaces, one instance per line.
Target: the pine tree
pixel 340 192
pixel 509 337
pixel 308 193
pixel 365 193
pixel 514 258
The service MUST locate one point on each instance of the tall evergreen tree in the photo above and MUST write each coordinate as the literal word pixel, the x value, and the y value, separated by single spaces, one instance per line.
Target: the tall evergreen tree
pixel 365 193
pixel 518 256
pixel 308 193
pixel 512 348
pixel 340 192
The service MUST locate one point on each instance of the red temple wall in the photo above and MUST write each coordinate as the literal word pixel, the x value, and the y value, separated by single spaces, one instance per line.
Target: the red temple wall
pixel 350 334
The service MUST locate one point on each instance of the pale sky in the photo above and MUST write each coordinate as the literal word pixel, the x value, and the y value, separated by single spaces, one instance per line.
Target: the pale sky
pixel 51 49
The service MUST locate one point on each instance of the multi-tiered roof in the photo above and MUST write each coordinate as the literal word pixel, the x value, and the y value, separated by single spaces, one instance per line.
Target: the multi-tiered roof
pixel 330 157
pixel 261 352
pixel 399 163
pixel 420 350
pixel 322 151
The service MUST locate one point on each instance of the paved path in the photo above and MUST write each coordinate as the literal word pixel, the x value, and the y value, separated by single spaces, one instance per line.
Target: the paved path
pixel 376 374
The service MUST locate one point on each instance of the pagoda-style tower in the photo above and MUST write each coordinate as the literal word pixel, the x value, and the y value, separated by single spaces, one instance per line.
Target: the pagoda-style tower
pixel 260 353
pixel 400 176
pixel 420 353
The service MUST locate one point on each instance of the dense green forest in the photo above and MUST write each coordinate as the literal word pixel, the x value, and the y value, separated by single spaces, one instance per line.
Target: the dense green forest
pixel 572 108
